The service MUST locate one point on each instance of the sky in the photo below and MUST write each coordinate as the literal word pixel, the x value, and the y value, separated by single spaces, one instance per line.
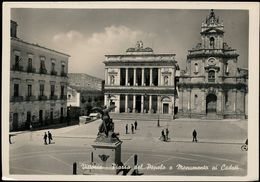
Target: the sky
pixel 87 35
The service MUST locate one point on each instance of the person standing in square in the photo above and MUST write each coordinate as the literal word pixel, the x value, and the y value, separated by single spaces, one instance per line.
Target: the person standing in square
pixel 135 125
pixel 132 128
pixel 45 138
pixel 194 134
pixel 126 128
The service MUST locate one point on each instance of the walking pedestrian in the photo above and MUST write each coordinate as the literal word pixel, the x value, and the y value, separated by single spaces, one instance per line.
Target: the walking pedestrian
pixel 132 128
pixel 163 135
pixel 167 134
pixel 45 138
pixel 126 128
pixel 194 134
pixel 49 137
pixel 135 125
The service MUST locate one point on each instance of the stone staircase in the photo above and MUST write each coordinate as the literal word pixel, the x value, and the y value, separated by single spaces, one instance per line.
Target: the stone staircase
pixel 140 116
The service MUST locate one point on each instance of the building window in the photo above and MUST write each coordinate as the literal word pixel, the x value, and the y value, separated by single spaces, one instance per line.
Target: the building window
pixel 62 91
pixel 53 66
pixel 63 70
pixel 212 42
pixel 16 90
pixel 196 68
pixel 17 60
pixel 29 90
pixel 166 80
pixel 195 100
pixel 52 90
pixel 42 68
pixel 41 89
pixel 211 76
pixel 226 69
pixel 29 69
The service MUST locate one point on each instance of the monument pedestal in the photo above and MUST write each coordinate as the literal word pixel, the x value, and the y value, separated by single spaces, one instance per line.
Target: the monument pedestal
pixel 105 158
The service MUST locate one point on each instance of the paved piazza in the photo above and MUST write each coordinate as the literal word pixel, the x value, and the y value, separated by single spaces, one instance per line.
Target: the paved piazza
pixel 219 145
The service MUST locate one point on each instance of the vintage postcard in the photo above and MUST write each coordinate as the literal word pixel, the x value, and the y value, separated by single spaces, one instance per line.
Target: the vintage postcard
pixel 130 91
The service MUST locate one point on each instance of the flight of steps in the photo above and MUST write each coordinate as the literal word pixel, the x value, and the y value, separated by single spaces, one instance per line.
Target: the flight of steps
pixel 140 116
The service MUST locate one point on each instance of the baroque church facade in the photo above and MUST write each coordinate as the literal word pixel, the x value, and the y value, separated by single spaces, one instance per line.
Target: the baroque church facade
pixel 212 86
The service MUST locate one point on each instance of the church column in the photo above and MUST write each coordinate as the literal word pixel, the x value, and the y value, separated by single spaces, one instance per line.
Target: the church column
pixel 219 102
pixel 159 76
pixel 142 76
pixel 126 103
pixel 142 103
pixel 150 103
pixel 106 75
pixel 134 76
pixel 180 100
pixel 173 76
pixel 151 76
pixel 134 103
pixel 126 76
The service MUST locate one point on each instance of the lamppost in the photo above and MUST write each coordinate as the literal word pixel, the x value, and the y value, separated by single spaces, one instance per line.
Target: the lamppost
pixel 174 100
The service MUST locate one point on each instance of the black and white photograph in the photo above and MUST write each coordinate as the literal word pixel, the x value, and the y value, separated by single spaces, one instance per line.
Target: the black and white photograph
pixel 155 91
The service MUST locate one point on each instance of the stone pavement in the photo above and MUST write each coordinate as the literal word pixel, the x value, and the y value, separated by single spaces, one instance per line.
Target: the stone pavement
pixel 219 142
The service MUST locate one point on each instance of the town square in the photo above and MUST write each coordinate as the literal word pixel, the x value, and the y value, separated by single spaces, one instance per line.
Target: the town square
pixel 143 91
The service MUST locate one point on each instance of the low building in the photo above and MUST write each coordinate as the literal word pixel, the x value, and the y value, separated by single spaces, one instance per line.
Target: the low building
pixel 38 84
pixel 84 93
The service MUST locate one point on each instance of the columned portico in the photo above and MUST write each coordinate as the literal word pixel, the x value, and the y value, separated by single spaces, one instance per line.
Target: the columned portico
pixel 126 77
pixel 134 76
pixel 151 76
pixel 137 85
pixel 142 104
pixel 142 76
pixel 150 104
pixel 134 103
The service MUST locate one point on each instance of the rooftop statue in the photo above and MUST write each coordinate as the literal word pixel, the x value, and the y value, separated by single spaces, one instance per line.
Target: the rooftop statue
pixel 106 129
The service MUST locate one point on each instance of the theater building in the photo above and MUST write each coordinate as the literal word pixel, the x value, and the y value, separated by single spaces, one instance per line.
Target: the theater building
pixel 140 81
pixel 38 84
pixel 212 86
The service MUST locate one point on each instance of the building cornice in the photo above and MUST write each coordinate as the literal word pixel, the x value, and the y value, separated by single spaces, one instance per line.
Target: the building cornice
pixel 39 46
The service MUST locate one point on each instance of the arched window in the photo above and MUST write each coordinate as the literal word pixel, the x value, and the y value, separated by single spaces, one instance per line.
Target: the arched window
pixel 227 70
pixel 195 100
pixel 211 76
pixel 212 42
pixel 196 68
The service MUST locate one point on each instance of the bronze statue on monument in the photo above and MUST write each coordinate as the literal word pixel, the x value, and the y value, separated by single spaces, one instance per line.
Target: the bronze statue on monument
pixel 106 132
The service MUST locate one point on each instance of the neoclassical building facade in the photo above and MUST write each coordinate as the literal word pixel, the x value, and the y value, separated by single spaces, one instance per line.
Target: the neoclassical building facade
pixel 140 81
pixel 212 86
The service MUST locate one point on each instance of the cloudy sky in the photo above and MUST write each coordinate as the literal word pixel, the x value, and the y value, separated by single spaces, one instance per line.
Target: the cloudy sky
pixel 89 34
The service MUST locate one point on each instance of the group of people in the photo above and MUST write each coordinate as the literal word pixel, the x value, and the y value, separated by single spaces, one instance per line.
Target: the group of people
pixel 133 127
pixel 165 135
pixel 45 137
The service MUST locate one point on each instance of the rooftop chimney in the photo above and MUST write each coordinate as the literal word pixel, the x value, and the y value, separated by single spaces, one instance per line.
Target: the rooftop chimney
pixel 13 29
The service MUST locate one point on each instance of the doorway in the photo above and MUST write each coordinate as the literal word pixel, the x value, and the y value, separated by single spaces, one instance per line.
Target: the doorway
pixel 211 104
pixel 165 108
